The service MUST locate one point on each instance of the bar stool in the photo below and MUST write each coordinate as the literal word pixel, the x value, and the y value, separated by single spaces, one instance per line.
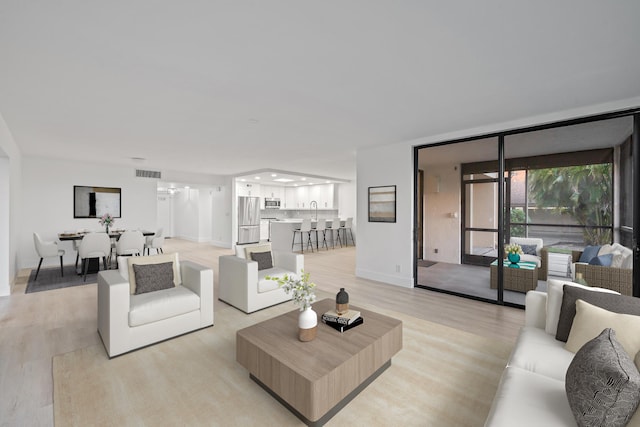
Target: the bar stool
pixel 347 226
pixel 305 227
pixel 335 231
pixel 321 226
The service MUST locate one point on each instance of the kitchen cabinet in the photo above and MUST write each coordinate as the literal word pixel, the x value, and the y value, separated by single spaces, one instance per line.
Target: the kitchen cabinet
pixel 243 189
pixel 325 195
pixel 289 198
pixel 272 192
pixel 300 197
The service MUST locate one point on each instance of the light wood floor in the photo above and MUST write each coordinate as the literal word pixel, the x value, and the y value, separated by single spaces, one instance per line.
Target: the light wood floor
pixel 35 327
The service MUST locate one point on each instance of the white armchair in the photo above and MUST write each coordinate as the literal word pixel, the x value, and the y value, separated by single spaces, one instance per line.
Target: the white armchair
pixel 128 320
pixel 541 257
pixel 244 286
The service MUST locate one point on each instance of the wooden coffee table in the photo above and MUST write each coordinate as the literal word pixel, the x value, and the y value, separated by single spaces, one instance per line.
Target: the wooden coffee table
pixel 316 379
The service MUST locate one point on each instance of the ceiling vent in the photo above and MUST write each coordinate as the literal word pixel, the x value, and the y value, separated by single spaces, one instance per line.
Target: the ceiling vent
pixel 148 174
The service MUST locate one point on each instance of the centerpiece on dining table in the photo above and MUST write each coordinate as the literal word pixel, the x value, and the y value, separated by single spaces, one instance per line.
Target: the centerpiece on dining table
pixel 513 251
pixel 107 220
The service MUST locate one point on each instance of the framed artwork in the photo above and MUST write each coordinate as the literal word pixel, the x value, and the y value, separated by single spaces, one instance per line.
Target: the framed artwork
pixel 382 204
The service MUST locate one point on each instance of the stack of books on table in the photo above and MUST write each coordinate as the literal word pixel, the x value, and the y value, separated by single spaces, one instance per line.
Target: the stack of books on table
pixel 342 322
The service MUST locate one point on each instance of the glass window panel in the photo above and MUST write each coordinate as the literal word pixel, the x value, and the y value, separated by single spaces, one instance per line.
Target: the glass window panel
pixel 481 243
pixel 480 205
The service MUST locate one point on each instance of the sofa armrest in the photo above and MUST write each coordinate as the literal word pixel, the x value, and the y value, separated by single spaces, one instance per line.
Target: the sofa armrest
pixel 289 261
pixel 238 277
pixel 535 313
pixel 113 308
pixel 199 279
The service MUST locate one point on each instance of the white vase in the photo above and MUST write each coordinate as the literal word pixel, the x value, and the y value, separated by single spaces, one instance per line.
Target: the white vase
pixel 307 324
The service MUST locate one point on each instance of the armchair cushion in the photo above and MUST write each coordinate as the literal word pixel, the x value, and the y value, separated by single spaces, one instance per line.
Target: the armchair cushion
pixel 589 253
pixel 528 241
pixel 125 267
pixel 263 259
pixel 266 285
pixel 153 277
pixel 155 306
pixel 245 251
pixel 529 249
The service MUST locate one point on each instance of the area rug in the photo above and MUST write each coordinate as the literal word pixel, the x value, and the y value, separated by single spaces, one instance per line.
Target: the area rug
pixel 49 278
pixel 441 377
pixel 425 263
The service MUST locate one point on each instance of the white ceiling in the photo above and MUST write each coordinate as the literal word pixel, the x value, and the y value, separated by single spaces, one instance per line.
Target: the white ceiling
pixel 224 87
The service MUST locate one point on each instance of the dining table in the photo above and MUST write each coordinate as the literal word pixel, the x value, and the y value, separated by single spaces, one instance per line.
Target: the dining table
pixel 94 266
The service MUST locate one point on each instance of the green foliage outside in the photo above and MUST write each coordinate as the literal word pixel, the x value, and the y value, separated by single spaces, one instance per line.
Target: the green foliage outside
pixel 583 192
pixel 517 217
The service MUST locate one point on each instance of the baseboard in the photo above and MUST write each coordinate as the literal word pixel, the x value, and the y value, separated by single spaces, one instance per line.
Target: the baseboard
pixel 405 282
pixel 221 244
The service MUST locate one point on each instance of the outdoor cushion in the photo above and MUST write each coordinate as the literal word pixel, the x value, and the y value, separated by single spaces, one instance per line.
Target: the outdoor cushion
pixel 588 253
pixel 603 260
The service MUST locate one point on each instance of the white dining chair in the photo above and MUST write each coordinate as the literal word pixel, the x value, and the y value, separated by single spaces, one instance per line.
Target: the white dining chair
pixel 46 250
pixel 94 245
pixel 130 243
pixel 154 242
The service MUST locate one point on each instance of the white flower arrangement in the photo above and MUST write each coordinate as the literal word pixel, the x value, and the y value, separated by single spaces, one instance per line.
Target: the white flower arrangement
pixel 513 248
pixel 300 288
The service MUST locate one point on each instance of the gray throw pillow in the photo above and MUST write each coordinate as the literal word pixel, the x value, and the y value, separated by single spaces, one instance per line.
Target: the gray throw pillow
pixel 602 383
pixel 616 303
pixel 263 259
pixel 153 277
pixel 529 249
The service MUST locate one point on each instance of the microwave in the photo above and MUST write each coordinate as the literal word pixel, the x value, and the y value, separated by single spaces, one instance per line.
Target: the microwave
pixel 272 203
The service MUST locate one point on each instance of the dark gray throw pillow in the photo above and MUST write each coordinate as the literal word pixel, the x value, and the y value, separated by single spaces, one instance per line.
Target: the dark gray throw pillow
pixel 153 277
pixel 612 302
pixel 529 249
pixel 263 259
pixel 602 383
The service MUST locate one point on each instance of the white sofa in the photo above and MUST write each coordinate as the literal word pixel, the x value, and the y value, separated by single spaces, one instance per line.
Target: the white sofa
pixel 127 321
pixel 532 387
pixel 245 287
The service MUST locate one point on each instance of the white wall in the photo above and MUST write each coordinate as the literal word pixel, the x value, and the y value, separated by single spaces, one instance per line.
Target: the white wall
pixel 384 250
pixel 441 228
pixel 347 203
pixel 47 191
pixel 186 210
pixel 221 208
pixel 10 207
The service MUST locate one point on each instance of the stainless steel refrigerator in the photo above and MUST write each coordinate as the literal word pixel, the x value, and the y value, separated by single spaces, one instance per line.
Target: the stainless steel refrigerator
pixel 248 220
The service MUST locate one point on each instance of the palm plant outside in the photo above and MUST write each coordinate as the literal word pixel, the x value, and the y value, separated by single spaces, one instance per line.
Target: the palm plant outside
pixel 582 192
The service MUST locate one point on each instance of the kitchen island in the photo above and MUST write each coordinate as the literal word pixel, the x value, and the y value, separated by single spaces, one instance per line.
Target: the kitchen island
pixel 282 235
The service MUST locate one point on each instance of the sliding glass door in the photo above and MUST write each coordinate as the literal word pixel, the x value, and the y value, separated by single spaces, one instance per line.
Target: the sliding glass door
pixel 565 188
